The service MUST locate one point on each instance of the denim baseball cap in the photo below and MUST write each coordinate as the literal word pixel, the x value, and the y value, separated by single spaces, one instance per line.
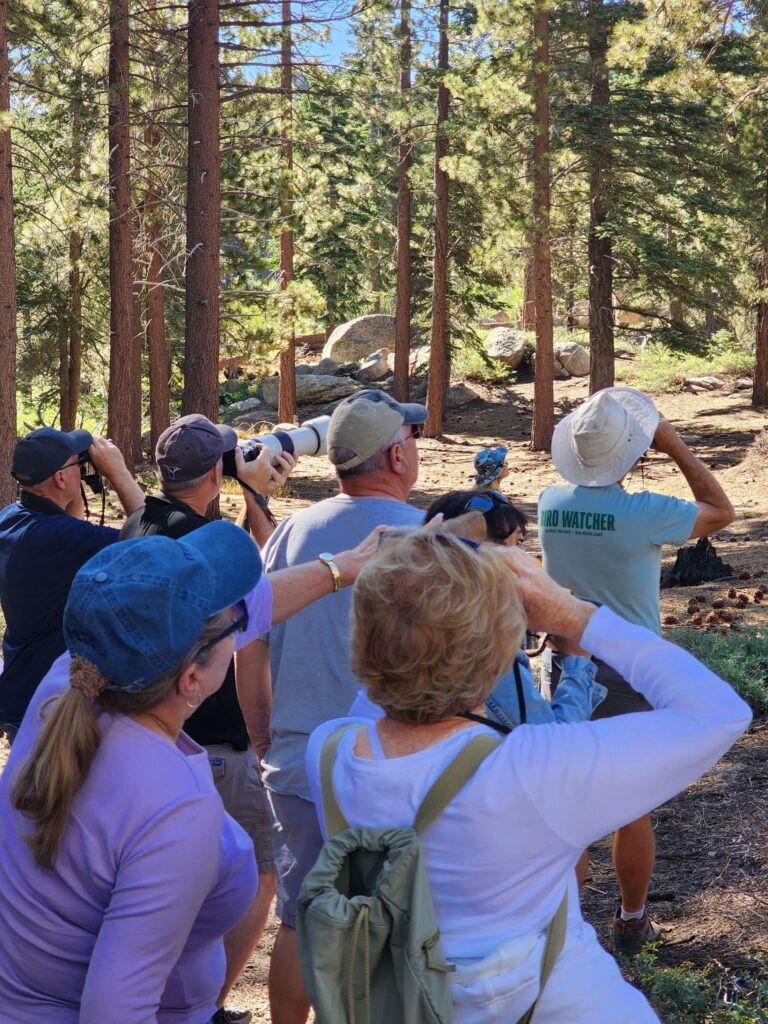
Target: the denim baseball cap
pixel 366 421
pixel 38 455
pixel 138 607
pixel 191 446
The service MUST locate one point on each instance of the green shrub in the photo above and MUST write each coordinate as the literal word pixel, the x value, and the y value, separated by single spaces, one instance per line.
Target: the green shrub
pixel 659 368
pixel 469 362
pixel 684 995
pixel 741 658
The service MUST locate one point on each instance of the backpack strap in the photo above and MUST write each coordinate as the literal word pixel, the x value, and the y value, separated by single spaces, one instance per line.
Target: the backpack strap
pixel 334 819
pixel 453 779
pixel 552 949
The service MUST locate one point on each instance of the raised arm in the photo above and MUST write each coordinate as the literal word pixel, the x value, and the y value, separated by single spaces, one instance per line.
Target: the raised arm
pixel 108 459
pixel 601 775
pixel 294 588
pixel 715 511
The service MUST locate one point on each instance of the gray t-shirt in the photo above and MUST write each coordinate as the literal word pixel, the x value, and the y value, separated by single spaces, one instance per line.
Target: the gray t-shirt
pixel 311 679
pixel 605 544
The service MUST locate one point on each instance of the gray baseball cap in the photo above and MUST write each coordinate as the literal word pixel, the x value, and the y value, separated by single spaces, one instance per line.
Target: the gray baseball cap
pixel 364 422
pixel 191 446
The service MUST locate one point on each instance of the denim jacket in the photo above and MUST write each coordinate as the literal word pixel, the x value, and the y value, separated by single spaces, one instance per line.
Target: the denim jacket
pixel 576 697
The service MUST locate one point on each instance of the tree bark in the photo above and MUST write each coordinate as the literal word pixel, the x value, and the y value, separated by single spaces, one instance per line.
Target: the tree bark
pixel 137 332
pixel 286 410
pixel 157 351
pixel 543 392
pixel 71 352
pixel 404 202
pixel 710 319
pixel 201 355
pixel 601 369
pixel 528 305
pixel 8 277
pixel 439 368
pixel 121 358
pixel 760 385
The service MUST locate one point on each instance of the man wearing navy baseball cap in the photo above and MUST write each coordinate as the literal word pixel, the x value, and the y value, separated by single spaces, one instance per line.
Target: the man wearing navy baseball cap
pixel 43 543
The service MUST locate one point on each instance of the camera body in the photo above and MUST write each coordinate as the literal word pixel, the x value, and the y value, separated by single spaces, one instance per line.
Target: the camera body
pixel 308 439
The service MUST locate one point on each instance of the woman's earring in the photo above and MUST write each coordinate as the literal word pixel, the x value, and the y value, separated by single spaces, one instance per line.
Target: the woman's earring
pixel 195 706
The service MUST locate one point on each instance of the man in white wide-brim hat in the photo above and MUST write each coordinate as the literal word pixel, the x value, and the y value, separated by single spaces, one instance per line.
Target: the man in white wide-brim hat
pixel 605 544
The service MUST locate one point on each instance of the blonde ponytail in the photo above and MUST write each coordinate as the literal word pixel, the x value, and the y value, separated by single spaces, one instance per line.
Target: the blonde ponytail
pixel 67 743
pixel 55 771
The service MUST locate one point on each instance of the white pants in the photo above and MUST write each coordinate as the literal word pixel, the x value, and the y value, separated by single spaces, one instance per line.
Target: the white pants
pixel 585 986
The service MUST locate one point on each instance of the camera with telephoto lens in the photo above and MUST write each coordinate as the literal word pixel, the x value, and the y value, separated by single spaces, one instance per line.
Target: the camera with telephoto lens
pixel 90 476
pixel 308 439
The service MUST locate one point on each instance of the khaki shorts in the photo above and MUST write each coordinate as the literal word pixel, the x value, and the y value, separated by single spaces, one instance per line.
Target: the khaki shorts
pixel 238 780
pixel 297 842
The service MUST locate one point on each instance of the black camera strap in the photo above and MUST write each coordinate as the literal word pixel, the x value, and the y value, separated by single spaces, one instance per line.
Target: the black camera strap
pixel 261 501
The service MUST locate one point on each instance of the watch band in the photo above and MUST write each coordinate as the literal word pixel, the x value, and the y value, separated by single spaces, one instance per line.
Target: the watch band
pixel 327 559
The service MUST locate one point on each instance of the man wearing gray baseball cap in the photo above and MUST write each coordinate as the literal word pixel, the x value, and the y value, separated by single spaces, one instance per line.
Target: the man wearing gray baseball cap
pixel 604 543
pixel 372 445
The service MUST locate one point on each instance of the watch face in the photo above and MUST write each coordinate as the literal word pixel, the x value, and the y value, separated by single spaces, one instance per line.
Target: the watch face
pixel 325 555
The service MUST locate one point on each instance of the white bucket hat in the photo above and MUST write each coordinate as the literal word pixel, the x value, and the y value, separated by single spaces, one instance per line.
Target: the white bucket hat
pixel 600 442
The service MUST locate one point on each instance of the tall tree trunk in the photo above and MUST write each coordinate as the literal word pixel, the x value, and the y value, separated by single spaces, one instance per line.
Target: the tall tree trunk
pixel 760 386
pixel 121 362
pixel 8 277
pixel 403 268
pixel 157 352
pixel 439 368
pixel 287 398
pixel 137 329
pixel 201 306
pixel 74 351
pixel 601 368
pixel 71 353
pixel 528 305
pixel 543 392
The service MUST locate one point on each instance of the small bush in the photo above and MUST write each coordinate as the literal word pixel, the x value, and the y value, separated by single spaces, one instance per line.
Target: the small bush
pixel 684 995
pixel 741 658
pixel 658 368
pixel 469 362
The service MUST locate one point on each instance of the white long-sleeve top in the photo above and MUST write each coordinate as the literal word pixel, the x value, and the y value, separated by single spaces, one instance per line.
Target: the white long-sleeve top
pixel 500 856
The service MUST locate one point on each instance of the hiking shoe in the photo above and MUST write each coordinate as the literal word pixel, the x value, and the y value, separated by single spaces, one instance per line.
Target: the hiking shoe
pixel 228 1016
pixel 629 937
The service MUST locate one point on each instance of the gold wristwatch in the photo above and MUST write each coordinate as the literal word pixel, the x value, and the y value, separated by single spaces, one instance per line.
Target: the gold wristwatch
pixel 327 559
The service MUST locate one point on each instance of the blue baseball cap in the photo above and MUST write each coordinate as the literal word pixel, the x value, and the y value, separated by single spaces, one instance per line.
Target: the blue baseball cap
pixel 139 606
pixel 489 463
pixel 38 455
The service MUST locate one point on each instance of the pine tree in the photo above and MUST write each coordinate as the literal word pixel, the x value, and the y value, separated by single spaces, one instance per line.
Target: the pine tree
pixel 201 356
pixel 8 276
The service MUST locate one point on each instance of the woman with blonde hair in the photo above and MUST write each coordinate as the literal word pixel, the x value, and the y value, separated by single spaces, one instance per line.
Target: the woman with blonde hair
pixel 120 871
pixel 435 623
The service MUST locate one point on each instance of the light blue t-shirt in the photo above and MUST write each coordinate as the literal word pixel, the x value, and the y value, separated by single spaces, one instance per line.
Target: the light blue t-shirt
pixel 309 653
pixel 605 544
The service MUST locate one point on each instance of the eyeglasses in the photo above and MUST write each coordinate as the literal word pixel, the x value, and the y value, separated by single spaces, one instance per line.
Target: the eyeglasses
pixel 81 461
pixel 238 624
pixel 415 434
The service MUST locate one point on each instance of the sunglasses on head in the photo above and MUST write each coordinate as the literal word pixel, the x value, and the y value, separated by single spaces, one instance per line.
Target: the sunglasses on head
pixel 394 533
pixel 485 501
pixel 238 624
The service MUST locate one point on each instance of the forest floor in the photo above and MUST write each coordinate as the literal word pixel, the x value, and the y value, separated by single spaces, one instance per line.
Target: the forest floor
pixel 710 887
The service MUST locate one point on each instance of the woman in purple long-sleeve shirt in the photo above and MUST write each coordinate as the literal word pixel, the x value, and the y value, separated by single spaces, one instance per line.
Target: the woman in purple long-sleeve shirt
pixel 119 869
